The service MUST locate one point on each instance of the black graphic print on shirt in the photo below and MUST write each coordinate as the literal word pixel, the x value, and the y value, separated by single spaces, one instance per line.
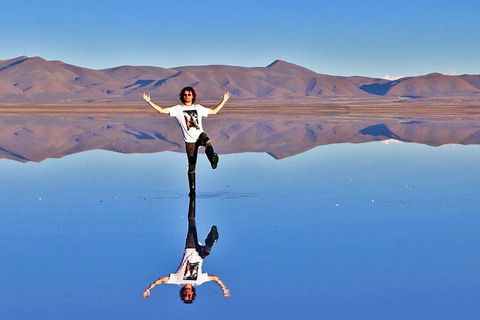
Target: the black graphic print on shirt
pixel 191 119
pixel 191 271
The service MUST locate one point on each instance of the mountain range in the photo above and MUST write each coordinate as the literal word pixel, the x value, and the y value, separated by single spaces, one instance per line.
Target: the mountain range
pixel 38 81
pixel 32 138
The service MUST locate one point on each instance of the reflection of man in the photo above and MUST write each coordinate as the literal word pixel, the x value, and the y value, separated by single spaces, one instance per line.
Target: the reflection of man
pixel 189 274
pixel 189 116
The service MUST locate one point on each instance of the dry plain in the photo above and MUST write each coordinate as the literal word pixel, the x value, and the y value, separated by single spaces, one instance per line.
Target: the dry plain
pixel 442 108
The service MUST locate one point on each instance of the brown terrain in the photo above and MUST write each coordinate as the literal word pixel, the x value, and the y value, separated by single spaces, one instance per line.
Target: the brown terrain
pixel 50 109
pixel 35 138
pixel 37 81
pixel 34 85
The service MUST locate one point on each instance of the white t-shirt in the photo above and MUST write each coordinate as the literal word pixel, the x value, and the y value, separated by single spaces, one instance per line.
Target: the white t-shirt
pixel 190 270
pixel 190 120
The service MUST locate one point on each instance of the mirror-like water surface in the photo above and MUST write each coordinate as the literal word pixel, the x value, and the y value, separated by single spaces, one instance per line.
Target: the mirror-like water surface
pixel 36 138
pixel 345 231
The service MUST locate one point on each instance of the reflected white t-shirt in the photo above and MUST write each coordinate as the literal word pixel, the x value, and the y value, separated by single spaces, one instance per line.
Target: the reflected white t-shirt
pixel 190 120
pixel 190 270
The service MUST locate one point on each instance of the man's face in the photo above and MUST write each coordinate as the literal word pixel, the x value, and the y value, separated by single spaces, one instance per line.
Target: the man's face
pixel 188 97
pixel 188 294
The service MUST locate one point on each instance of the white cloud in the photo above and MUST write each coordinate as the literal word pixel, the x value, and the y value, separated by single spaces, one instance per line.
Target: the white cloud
pixel 391 141
pixel 391 78
pixel 449 146
pixel 451 72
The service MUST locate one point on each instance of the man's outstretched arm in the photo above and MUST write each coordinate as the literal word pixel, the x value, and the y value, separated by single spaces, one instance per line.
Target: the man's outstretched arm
pixel 146 97
pixel 146 293
pixel 226 292
pixel 226 96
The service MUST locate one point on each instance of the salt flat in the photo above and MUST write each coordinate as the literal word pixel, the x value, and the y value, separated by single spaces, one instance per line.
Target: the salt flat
pixel 447 108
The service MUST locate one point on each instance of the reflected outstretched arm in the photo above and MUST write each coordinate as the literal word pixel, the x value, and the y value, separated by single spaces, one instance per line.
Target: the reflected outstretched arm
pixel 226 292
pixel 146 293
pixel 146 97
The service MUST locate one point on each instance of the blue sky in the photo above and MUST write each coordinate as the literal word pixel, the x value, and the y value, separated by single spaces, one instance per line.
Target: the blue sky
pixel 375 38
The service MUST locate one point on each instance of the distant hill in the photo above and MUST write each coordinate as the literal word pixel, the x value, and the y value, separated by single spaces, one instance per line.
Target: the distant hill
pixel 34 138
pixel 35 80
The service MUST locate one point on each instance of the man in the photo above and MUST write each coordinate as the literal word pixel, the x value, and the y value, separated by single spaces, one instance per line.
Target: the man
pixel 189 116
pixel 189 274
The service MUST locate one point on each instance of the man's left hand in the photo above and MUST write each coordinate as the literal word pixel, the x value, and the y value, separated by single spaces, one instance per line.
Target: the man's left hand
pixel 226 293
pixel 226 96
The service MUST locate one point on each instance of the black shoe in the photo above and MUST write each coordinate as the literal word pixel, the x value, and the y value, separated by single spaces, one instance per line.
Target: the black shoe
pixel 214 233
pixel 214 161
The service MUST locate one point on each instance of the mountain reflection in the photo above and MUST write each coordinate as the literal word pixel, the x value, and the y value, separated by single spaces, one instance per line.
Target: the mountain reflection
pixel 190 274
pixel 36 138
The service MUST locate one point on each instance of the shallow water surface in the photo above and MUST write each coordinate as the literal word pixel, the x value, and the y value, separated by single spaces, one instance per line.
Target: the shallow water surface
pixel 346 231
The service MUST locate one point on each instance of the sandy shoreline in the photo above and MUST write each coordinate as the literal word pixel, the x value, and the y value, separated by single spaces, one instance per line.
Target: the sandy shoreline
pixel 439 108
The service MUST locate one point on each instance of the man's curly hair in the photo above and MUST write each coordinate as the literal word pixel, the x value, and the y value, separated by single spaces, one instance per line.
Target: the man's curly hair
pixel 190 89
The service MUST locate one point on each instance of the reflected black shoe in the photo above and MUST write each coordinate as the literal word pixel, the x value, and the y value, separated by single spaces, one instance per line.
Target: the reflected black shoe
pixel 191 184
pixel 214 233
pixel 214 161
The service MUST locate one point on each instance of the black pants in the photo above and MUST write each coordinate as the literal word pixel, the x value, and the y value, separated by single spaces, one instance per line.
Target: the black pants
pixel 192 237
pixel 192 151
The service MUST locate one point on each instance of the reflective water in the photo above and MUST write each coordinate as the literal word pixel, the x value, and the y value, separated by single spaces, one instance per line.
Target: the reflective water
pixel 34 138
pixel 377 230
